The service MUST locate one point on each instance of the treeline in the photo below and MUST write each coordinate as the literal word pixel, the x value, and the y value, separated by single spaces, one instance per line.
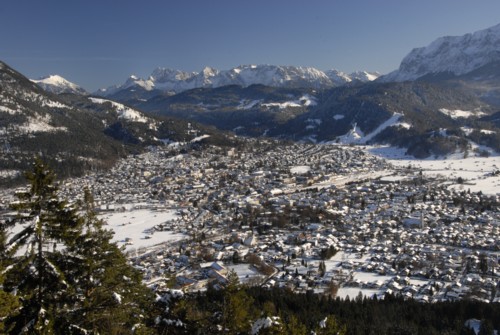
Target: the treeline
pixel 392 315
pixel 236 310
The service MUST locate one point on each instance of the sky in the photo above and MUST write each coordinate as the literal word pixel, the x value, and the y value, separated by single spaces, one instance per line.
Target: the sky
pixel 100 43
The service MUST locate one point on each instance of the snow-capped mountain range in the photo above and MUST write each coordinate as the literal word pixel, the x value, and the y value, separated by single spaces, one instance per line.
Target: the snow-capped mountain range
pixel 165 79
pixel 57 84
pixel 457 55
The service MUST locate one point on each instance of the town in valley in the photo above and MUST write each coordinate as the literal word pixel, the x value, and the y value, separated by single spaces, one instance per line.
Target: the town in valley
pixel 330 219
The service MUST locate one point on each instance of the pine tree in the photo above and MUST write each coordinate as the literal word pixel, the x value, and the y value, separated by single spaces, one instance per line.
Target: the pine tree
pixel 48 226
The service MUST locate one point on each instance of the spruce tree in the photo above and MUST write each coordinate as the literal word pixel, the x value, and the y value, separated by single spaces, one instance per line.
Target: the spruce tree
pixel 330 326
pixel 9 303
pixel 111 296
pixel 293 326
pixel 48 225
pixel 237 307
pixel 69 276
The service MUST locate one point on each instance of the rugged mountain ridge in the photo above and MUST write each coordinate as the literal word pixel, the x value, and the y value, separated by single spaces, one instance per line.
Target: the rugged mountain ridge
pixel 168 80
pixel 456 55
pixel 470 62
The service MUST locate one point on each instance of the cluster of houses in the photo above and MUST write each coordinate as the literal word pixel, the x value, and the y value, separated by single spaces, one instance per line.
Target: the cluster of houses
pixel 324 218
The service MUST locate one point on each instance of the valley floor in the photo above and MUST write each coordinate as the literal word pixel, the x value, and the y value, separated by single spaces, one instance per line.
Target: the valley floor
pixel 336 220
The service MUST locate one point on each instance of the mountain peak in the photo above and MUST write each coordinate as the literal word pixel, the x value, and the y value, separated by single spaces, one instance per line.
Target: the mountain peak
pixel 456 55
pixel 56 84
pixel 209 71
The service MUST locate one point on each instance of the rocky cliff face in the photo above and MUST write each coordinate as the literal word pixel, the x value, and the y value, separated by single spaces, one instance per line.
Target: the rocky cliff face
pixel 452 55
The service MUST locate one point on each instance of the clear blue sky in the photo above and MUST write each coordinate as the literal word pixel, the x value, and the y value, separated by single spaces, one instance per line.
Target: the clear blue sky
pixel 99 43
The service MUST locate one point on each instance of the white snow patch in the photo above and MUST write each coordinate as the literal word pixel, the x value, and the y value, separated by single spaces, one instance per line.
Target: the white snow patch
pixel 123 111
pixel 457 113
pixel 171 294
pixel 9 173
pixel 308 100
pixel 264 323
pixel 371 76
pixel 9 110
pixel 338 117
pixel 53 104
pixel 353 136
pixel 322 323
pixel 300 169
pixel 467 130
pixel 305 100
pixel 39 124
pixel 485 131
pixel 199 138
pixel 282 105
pixel 245 104
pixel 405 125
pixel 117 297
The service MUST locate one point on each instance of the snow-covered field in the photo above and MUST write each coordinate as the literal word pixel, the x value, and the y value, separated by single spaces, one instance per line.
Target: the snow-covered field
pixel 244 271
pixel 300 169
pixel 132 228
pixel 477 172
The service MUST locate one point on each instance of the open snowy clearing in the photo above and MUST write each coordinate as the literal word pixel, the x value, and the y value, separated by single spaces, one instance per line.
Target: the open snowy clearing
pixel 244 271
pixel 133 228
pixel 477 172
